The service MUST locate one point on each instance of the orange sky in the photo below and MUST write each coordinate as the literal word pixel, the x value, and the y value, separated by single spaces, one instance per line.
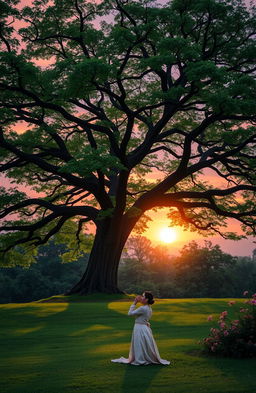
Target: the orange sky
pixel 159 219
pixel 242 247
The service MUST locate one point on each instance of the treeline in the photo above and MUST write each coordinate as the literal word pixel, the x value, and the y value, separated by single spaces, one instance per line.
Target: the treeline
pixel 198 271
pixel 47 277
pixel 204 271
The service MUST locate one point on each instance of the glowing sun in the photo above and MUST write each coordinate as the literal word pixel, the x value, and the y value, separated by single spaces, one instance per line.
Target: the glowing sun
pixel 168 235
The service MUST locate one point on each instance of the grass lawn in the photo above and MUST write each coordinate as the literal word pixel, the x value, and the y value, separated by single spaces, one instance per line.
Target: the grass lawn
pixel 65 344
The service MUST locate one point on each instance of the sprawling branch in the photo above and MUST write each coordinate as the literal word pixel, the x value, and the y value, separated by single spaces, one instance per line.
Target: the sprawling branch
pixel 58 210
pixel 142 92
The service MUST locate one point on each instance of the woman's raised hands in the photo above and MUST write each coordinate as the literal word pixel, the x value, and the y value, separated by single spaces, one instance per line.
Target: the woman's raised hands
pixel 137 299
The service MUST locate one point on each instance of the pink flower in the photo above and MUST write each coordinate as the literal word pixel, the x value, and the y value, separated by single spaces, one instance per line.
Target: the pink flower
pixel 254 295
pixel 245 293
pixel 243 309
pixel 231 302
pixel 253 301
pixel 209 318
pixel 235 322
pixel 214 331
pixel 223 314
pixel 226 333
pixel 222 325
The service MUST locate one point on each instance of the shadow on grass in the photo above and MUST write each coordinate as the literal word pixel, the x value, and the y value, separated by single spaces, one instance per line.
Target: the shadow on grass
pixel 64 346
pixel 178 326
pixel 68 347
pixel 144 374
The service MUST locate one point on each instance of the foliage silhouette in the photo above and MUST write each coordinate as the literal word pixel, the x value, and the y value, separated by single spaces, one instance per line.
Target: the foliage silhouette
pixel 169 87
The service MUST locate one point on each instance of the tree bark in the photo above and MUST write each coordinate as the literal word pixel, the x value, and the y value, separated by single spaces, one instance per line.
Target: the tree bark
pixel 102 268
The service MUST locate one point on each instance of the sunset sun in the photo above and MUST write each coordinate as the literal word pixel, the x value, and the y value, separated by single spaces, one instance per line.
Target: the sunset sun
pixel 167 235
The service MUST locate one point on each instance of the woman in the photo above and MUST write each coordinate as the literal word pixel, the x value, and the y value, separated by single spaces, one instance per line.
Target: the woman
pixel 143 348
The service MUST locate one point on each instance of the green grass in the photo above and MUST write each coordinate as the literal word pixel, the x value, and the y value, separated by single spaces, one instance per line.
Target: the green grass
pixel 65 344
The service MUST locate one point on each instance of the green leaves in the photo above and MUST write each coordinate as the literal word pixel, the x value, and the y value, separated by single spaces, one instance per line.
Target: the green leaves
pixel 157 62
pixel 90 160
pixel 105 214
pixel 85 76
pixel 238 135
pixel 183 48
pixel 67 236
pixel 11 62
pixel 122 38
pixel 173 94
pixel 20 255
pixel 7 8
pixel 204 69
pixel 10 197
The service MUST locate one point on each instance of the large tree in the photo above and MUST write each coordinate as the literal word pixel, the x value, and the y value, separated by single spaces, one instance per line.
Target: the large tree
pixel 130 86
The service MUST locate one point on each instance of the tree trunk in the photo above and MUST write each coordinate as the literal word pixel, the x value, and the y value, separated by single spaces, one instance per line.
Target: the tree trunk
pixel 102 268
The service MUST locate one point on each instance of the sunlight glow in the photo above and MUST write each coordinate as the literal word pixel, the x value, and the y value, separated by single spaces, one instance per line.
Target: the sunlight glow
pixel 167 235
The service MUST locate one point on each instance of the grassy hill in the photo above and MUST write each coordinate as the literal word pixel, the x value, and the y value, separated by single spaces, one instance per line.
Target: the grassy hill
pixel 65 344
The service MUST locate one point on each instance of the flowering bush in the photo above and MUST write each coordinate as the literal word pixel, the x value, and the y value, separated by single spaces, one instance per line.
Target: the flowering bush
pixel 234 338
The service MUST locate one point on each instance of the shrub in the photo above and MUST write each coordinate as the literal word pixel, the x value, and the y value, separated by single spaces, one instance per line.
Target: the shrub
pixel 237 337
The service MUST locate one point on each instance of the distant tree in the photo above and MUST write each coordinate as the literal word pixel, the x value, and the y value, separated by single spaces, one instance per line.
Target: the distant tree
pixel 243 275
pixel 47 277
pixel 6 288
pixel 139 248
pixel 202 270
pixel 160 256
pixel 198 271
pixel 170 87
pixel 133 268
pixel 144 266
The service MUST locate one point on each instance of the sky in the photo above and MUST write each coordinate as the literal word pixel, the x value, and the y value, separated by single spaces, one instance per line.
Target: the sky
pixel 242 247
pixel 160 220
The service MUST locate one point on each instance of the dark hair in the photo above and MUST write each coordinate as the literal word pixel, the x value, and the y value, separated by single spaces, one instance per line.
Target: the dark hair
pixel 148 295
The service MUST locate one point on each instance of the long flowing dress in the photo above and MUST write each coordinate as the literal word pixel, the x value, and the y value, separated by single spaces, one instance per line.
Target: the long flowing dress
pixel 143 348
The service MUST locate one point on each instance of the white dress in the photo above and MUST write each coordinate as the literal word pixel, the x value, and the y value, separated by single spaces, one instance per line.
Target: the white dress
pixel 143 348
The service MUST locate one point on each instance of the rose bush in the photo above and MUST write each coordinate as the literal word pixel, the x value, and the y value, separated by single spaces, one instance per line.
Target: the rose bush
pixel 237 337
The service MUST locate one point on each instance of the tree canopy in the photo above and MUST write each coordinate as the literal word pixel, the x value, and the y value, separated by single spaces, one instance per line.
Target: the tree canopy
pixel 130 87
